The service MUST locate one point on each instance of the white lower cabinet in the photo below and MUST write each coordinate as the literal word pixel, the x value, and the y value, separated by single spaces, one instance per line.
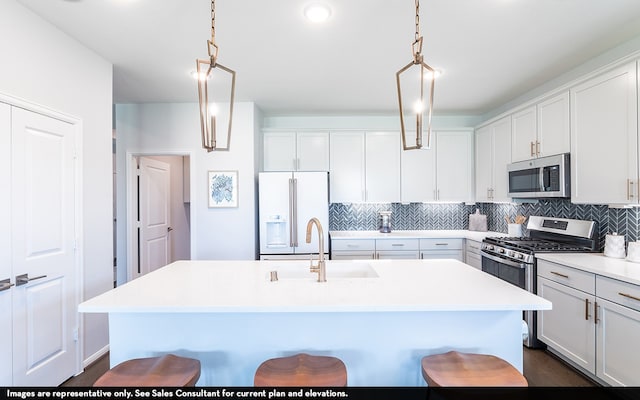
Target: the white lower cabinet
pixel 397 249
pixel 594 323
pixel 441 249
pixel 353 249
pixel 472 254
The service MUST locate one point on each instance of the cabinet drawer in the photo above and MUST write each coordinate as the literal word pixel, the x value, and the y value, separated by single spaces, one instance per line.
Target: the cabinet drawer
pixel 472 246
pixel 440 244
pixel 620 292
pixel 451 254
pixel 353 244
pixel 397 244
pixel 353 255
pixel 581 280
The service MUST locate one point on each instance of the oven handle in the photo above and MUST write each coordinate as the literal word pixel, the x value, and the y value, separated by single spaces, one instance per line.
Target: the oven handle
pixel 504 260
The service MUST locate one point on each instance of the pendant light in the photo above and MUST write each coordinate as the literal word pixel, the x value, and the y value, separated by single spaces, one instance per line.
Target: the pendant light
pixel 216 87
pixel 415 95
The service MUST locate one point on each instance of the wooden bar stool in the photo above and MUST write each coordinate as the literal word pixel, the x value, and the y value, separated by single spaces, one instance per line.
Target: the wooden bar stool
pixel 464 369
pixel 168 370
pixel 301 370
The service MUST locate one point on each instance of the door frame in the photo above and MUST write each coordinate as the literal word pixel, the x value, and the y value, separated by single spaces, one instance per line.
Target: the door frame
pixel 131 198
pixel 78 128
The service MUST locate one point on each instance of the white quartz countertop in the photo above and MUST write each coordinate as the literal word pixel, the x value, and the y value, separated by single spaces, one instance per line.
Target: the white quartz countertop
pixel 616 268
pixel 418 234
pixel 244 286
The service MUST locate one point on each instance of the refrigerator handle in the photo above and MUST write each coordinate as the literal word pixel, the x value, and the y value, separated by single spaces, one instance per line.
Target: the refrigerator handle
pixel 294 220
pixel 291 222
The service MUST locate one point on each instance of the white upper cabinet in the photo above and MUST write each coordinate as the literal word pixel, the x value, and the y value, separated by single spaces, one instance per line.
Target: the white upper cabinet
pixel 442 173
pixel 382 167
pixel 418 174
pixel 454 166
pixel 604 138
pixel 553 126
pixel 296 151
pixel 347 167
pixel 524 135
pixel 365 167
pixel 493 154
pixel 541 129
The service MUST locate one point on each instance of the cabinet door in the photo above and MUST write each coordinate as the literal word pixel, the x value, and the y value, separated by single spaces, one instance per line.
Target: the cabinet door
pixel 312 150
pixel 568 328
pixel 418 174
pixel 347 167
pixel 279 151
pixel 484 165
pixel 524 135
pixel 6 320
pixel 454 166
pixel 618 330
pixel 382 167
pixel 501 158
pixel 553 126
pixel 604 143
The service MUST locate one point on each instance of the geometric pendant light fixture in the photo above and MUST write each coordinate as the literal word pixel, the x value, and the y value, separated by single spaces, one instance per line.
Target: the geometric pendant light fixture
pixel 415 83
pixel 216 90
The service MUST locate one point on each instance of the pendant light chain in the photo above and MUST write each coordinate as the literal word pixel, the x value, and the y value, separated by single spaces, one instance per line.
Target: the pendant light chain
pixel 213 21
pixel 417 20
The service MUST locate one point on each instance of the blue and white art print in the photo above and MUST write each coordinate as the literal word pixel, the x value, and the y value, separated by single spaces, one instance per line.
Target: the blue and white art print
pixel 223 189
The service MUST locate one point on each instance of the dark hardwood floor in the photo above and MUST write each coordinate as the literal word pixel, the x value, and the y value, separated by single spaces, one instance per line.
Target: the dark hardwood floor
pixel 541 368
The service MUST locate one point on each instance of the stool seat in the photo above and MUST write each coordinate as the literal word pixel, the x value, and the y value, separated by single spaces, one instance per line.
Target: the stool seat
pixel 464 369
pixel 301 370
pixel 168 370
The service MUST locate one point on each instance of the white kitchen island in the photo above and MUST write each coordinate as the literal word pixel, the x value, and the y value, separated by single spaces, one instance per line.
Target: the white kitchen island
pixel 380 317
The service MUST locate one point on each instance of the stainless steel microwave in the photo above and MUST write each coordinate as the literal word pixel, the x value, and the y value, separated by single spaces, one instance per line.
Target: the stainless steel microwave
pixel 540 177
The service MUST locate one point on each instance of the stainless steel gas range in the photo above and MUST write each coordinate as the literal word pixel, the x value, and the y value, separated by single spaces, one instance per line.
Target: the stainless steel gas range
pixel 513 259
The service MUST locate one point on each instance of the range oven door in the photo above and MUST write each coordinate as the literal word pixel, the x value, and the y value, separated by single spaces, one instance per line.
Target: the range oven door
pixel 523 276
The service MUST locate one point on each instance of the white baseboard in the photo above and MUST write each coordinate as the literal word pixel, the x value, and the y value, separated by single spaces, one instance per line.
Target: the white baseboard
pixel 95 356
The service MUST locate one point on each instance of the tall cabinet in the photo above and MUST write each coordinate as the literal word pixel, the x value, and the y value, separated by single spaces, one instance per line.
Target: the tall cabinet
pixel 604 138
pixel 493 153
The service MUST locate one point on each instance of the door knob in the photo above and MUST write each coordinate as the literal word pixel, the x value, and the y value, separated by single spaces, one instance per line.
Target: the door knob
pixel 169 229
pixel 24 279
pixel 5 284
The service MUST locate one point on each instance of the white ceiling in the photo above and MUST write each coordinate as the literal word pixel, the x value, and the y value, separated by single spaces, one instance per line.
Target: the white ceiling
pixel 490 51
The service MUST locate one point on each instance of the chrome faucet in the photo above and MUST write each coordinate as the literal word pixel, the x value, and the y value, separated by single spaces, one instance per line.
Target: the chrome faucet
pixel 321 268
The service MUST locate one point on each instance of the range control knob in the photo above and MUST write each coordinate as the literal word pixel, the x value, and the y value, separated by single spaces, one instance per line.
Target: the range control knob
pixel 501 251
pixel 521 256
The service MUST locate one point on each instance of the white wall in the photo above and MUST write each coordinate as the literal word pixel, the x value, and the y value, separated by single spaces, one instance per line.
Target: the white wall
pixel 216 233
pixel 42 65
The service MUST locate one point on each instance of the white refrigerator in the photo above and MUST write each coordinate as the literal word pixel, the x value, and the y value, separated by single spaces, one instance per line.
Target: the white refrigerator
pixel 288 200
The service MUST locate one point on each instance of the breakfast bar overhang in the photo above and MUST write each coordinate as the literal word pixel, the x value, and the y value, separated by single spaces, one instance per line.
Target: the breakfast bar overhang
pixel 379 316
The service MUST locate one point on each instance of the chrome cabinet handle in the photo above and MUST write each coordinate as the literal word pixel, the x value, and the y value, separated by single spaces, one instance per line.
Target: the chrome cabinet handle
pixel 630 194
pixel 5 284
pixel 559 274
pixel 629 296
pixel 537 148
pixel 24 279
pixel 595 312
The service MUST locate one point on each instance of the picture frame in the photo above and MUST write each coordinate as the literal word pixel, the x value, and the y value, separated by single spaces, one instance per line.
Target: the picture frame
pixel 222 189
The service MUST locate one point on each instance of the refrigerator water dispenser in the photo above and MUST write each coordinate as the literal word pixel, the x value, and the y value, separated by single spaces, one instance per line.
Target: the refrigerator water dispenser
pixel 277 231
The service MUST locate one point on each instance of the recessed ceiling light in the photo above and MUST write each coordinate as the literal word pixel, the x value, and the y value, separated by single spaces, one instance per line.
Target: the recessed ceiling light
pixel 317 12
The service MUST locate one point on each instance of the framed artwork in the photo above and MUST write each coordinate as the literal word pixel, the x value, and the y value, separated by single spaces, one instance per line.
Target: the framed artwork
pixel 223 189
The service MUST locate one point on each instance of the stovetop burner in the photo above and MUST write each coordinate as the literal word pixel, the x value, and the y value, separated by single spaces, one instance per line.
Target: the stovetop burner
pixel 535 245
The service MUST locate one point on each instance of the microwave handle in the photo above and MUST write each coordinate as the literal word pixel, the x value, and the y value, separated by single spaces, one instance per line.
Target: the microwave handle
pixel 541 179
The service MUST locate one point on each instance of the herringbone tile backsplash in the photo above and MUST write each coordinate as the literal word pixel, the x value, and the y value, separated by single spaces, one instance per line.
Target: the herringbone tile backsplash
pixel 418 216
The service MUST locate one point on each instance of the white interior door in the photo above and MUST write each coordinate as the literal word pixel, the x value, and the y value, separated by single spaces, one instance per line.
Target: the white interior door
pixel 155 214
pixel 6 315
pixel 43 239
